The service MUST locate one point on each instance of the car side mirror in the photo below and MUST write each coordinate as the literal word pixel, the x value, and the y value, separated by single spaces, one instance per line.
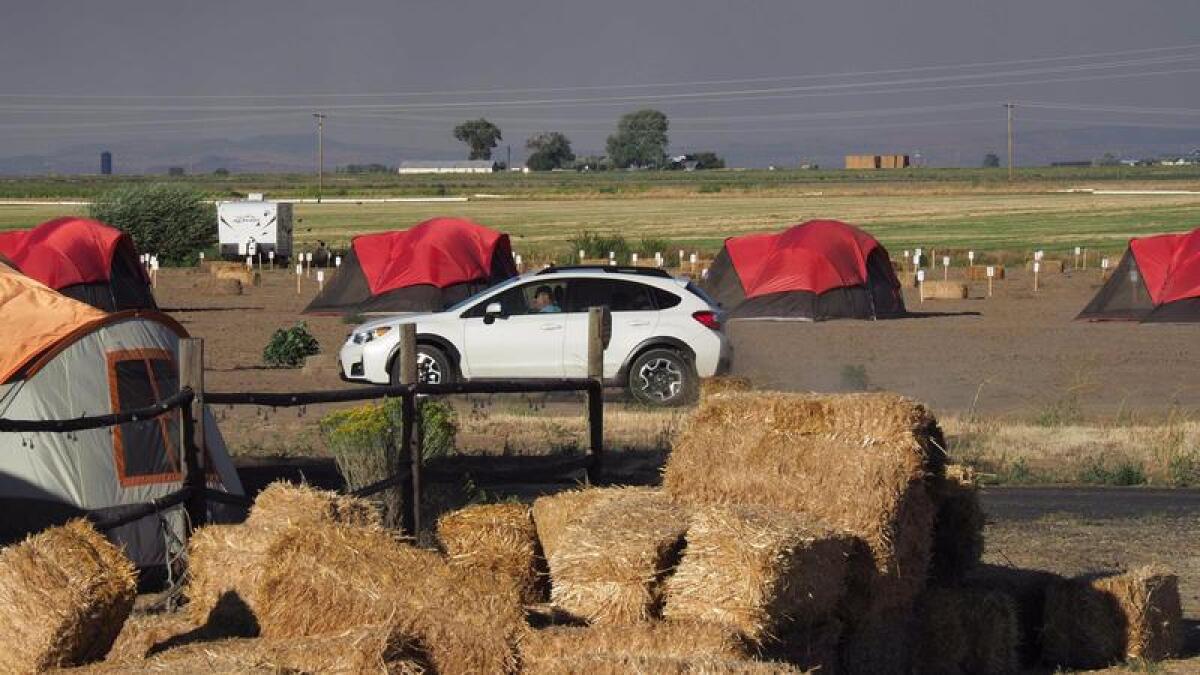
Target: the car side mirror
pixel 491 312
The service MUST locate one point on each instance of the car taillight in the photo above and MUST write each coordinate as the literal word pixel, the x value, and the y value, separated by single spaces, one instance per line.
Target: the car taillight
pixel 709 319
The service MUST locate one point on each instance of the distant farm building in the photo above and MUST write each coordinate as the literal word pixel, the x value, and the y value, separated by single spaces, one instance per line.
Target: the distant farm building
pixel 463 166
pixel 877 162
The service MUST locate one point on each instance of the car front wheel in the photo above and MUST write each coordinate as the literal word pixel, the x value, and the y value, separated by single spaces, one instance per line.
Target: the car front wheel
pixel 433 366
pixel 662 377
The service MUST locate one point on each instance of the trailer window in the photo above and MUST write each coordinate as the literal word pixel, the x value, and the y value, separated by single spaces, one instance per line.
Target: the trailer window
pixel 145 451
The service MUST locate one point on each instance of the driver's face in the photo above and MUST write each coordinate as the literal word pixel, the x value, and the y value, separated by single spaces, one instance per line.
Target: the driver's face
pixel 541 300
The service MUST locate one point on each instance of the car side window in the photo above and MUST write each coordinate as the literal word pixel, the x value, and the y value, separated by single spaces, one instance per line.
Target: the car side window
pixel 616 294
pixel 538 297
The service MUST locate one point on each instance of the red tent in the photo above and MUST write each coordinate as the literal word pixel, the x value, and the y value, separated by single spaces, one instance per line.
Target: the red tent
pixel 1158 279
pixel 821 269
pixel 84 259
pixel 432 265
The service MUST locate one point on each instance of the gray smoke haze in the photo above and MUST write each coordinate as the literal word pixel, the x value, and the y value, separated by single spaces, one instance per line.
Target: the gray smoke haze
pixel 78 75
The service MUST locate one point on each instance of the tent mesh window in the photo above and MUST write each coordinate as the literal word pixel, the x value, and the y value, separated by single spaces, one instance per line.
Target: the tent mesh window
pixel 144 450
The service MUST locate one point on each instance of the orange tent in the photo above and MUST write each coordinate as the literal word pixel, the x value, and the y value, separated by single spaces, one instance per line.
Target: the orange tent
pixel 36 318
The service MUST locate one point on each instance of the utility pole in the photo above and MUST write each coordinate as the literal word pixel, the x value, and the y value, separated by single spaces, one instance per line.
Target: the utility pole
pixel 320 153
pixel 1009 107
pixel 508 160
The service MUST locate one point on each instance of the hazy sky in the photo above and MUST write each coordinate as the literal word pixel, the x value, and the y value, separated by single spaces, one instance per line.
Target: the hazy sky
pixel 741 72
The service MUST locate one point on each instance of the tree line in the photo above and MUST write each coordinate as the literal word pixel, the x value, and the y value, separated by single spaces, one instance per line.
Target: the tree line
pixel 640 142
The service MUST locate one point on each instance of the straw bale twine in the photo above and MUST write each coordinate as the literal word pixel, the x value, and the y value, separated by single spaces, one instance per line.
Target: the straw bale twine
pixel 609 565
pixel 712 386
pixel 757 569
pixel 225 562
pixel 675 639
pixel 368 649
pixel 1090 623
pixel 553 513
pixel 500 540
pixel 855 462
pixel 958 531
pixel 618 664
pixel 64 594
pixel 330 578
pixel 937 289
pixel 966 631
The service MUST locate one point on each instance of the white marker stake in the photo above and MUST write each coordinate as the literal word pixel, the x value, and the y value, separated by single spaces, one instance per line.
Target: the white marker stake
pixel 971 257
pixel 991 273
pixel 946 267
pixel 202 258
pixel 917 258
pixel 612 262
pixel 633 258
pixel 519 263
pixel 299 274
pixel 1037 267
pixel 271 259
pixel 154 271
pixel 337 261
pixel 692 262
pixel 612 255
pixel 1077 252
pixel 921 284
pixel 250 263
pixel 904 260
pixel 320 280
pixel 681 257
pixel 308 264
pixel 658 259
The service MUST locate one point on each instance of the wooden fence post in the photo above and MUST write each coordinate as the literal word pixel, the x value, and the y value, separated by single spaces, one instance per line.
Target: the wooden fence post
pixel 599 333
pixel 411 450
pixel 193 442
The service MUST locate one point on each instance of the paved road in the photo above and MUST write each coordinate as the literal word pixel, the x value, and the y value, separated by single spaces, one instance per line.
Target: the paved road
pixel 1027 503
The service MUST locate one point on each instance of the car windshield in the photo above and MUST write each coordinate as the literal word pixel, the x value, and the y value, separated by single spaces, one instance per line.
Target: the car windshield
pixel 466 302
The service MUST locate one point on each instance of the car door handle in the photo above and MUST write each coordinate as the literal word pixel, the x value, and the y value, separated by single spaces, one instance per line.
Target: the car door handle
pixel 637 323
pixel 552 326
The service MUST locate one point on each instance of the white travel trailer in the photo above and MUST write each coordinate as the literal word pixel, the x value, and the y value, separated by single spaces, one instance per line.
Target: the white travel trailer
pixel 253 227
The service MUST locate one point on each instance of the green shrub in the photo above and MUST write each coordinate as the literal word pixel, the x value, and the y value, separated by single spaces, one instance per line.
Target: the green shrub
pixel 1125 473
pixel 596 245
pixel 648 246
pixel 290 346
pixel 173 222
pixel 439 428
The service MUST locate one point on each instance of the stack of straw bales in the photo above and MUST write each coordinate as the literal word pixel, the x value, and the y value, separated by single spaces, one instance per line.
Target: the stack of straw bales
pixel 144 635
pixel 607 565
pixel 756 570
pixel 369 649
pixel 329 578
pixel 500 540
pixel 552 514
pixel 967 631
pixel 1091 623
pixel 226 562
pixel 958 529
pixel 857 463
pixel 64 594
pixel 713 386
pixel 671 639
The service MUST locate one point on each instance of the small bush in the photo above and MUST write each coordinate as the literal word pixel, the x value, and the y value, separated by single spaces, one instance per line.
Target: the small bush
pixel 1183 470
pixel 173 222
pixel 439 428
pixel 365 442
pixel 600 245
pixel 1125 473
pixel 648 246
pixel 290 346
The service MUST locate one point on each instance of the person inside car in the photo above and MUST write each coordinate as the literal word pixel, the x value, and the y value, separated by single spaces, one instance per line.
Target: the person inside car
pixel 543 301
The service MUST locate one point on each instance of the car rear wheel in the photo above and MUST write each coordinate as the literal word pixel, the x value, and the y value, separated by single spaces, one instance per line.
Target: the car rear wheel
pixel 433 366
pixel 662 377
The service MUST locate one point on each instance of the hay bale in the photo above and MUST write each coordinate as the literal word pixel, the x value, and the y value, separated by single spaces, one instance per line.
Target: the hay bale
pixel 958 528
pixel 1027 589
pixel 243 276
pixel 552 514
pixel 674 639
pixel 966 631
pixel 500 540
pixel 144 635
pixel 757 569
pixel 214 286
pixel 979 272
pixel 1047 267
pixel 809 647
pixel 225 562
pixel 618 664
pixel 857 463
pixel 608 566
pixel 938 289
pixel 331 578
pixel 368 649
pixel 64 594
pixel 880 642
pixel 1091 623
pixel 712 386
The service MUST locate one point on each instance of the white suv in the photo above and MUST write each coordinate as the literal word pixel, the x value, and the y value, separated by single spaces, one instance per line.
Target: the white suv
pixel 666 333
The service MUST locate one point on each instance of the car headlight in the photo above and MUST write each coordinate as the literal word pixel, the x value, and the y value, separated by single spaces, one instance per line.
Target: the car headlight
pixel 365 336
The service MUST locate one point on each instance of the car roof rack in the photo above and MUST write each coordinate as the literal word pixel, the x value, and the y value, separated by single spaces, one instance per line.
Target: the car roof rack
pixel 614 269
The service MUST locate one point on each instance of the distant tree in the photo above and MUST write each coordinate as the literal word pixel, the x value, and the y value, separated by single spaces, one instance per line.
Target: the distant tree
pixel 708 160
pixel 222 172
pixel 991 161
pixel 641 140
pixel 551 150
pixel 168 220
pixel 592 163
pixel 480 136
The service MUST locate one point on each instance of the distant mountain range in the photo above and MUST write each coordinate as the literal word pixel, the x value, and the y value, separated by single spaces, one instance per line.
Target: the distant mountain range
pixel 936 147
